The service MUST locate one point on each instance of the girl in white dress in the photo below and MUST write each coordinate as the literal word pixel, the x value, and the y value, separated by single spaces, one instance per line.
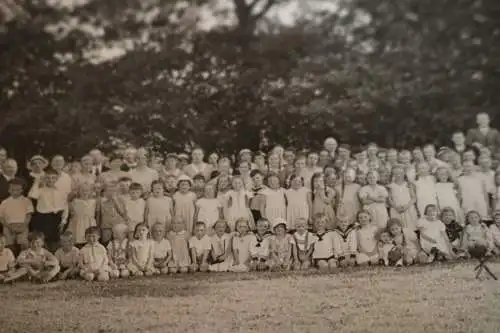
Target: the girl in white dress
pixel 374 199
pixel 184 201
pixel 367 240
pixel 296 197
pixel 425 188
pixel 476 234
pixel 402 199
pixel 433 238
pixel 141 252
pixel 162 250
pixel 241 243
pixel 447 193
pixel 83 212
pixel 473 191
pixel 159 207
pixel 221 258
pixel 348 205
pixel 208 208
pixel 237 203
pixel 275 201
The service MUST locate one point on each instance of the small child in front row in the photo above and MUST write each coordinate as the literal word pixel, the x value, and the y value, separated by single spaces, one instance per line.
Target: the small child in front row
pixel 221 258
pixel 241 243
pixel 68 255
pixel 283 249
pixel 495 232
pixel 304 241
pixel 162 251
pixel 199 247
pixel 476 234
pixel 367 240
pixel 93 263
pixel 453 229
pixel 345 243
pixel 7 260
pixel 118 251
pixel 135 208
pixel 433 239
pixel 36 261
pixel 260 247
pixel 385 246
pixel 141 252
pixel 323 254
pixel 178 239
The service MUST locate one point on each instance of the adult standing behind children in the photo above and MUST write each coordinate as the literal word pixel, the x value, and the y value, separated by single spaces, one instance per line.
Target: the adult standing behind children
pixel 484 135
pixel 198 166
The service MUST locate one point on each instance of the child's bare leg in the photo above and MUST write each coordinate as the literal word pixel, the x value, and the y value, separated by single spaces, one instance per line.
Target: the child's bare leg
pixel 124 273
pixel 183 269
pixel 173 270
pixel 88 276
pixel 204 267
pixel 102 276
pixel 148 272
pixel 323 265
pixel 306 264
pixel 49 273
pixel 164 270
pixel 15 275
pixel 332 264
pixel 193 268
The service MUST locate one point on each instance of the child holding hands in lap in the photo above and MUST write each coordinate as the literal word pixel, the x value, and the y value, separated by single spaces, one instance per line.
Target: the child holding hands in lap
pixel 199 247
pixel 93 263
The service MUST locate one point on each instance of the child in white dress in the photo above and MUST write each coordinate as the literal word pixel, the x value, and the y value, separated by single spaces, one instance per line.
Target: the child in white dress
pixel 159 207
pixel 135 207
pixel 208 208
pixel 221 258
pixel 93 262
pixel 275 200
pixel 304 241
pixel 323 254
pixel 237 203
pixel 433 238
pixel 199 247
pixel 367 240
pixel 447 193
pixel 241 246
pixel 473 191
pixel 322 200
pixel 178 239
pixel 402 198
pixel 141 252
pixel 406 242
pixel 260 247
pixel 374 199
pixel 476 234
pixel 345 243
pixel 83 211
pixel 184 203
pixel 348 205
pixel 162 251
pixel 67 256
pixel 296 197
pixel 118 252
pixel 425 188
pixel 283 249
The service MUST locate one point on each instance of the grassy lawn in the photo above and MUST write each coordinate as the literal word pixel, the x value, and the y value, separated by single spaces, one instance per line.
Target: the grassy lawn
pixel 433 299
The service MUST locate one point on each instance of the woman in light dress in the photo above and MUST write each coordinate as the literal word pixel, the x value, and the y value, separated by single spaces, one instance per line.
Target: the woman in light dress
pixel 402 199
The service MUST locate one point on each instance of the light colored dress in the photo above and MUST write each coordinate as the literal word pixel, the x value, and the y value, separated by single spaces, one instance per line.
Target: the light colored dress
pixel 208 211
pixel 241 246
pixel 322 203
pixel 142 251
pixel 433 235
pixel 237 204
pixel 297 207
pixel 349 204
pixel 447 197
pixel 400 194
pixel 377 210
pixel 367 245
pixel 159 211
pixel 221 246
pixel 275 206
pixel 425 191
pixel 80 179
pixel 180 250
pixel 184 209
pixel 281 249
pixel 83 214
pixel 473 191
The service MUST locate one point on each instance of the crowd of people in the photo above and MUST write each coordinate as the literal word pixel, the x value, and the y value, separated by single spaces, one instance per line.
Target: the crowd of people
pixel 136 214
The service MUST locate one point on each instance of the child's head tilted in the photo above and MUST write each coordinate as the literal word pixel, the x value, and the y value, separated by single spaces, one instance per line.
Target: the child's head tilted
pixel 395 227
pixel 448 215
pixel 473 218
pixel 92 235
pixel 385 237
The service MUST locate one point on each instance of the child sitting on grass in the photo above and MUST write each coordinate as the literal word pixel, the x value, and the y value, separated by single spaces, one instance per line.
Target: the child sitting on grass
pixel 476 235
pixel 93 263
pixel 260 247
pixel 366 240
pixel 283 249
pixel 36 261
pixel 495 232
pixel 406 240
pixel 141 252
pixel 7 260
pixel 68 255
pixel 323 254
pixel 118 252
pixel 345 243
pixel 162 251
pixel 241 243
pixel 221 258
pixel 453 229
pixel 199 247
pixel 385 246
pixel 178 239
pixel 304 241
pixel 433 239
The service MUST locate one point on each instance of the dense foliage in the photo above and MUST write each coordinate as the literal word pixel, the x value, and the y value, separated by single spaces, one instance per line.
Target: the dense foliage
pixel 399 73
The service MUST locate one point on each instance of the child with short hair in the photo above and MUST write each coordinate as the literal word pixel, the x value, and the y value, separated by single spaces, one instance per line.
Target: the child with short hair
pixel 453 229
pixel 367 240
pixel 184 203
pixel 124 187
pixel 476 234
pixel 283 248
pixel 495 232
pixel 260 246
pixel 199 247
pixel 208 208
pixel 385 246
pixel 141 252
pixel 433 239
pixel 7 260
pixel 199 182
pixel 159 207
pixel 162 251
pixel 170 186
pixel 241 243
pixel 221 258
pixel 36 261
pixel 323 254
pixel 68 256
pixel 111 211
pixel 83 210
pixel 304 241
pixel 447 193
pixel 135 207
pixel 93 262
pixel 118 252
pixel 15 216
pixel 345 243
pixel 178 238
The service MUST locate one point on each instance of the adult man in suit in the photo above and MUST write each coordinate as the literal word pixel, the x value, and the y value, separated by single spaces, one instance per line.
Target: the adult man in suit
pixel 98 159
pixel 484 135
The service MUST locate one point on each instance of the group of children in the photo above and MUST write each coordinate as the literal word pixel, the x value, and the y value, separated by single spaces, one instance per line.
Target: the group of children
pixel 287 212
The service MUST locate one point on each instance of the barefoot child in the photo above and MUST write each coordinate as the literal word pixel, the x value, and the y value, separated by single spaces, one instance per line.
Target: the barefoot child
pixel 118 251
pixel 304 241
pixel 159 207
pixel 135 207
pixel 68 255
pixel 162 251
pixel 199 246
pixel 141 252
pixel 93 263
